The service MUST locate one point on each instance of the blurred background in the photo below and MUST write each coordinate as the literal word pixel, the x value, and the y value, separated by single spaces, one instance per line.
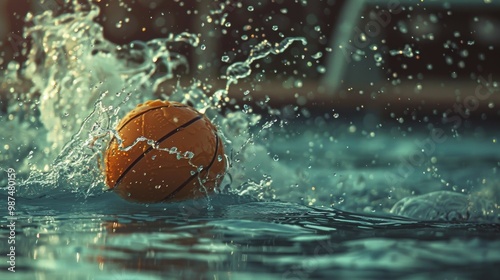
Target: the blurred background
pixel 389 58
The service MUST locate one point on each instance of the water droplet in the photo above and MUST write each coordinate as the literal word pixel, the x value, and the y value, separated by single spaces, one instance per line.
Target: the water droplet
pixel 317 55
pixel 407 51
pixel 225 58
pixel 402 27
pixel 238 70
pixel 276 158
pixel 246 108
pixel 250 8
pixel 268 124
pixel 275 28
pixel 433 18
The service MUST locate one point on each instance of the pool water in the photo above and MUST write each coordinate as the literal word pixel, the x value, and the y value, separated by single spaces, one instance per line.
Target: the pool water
pixel 309 193
pixel 66 235
pixel 63 237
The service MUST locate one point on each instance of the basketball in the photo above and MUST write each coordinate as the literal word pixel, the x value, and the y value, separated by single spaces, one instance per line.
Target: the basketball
pixel 164 151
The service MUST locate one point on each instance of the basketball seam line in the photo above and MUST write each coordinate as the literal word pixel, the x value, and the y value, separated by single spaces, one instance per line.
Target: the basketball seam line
pixel 133 118
pixel 197 173
pixel 142 113
pixel 151 147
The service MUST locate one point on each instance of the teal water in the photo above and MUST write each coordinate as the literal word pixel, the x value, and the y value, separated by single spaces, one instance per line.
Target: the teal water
pixel 67 235
pixel 103 237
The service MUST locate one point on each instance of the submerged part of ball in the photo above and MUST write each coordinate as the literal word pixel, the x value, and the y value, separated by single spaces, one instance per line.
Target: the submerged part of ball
pixel 165 151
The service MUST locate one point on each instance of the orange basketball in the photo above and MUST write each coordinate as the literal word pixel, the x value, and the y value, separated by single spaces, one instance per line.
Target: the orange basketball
pixel 166 151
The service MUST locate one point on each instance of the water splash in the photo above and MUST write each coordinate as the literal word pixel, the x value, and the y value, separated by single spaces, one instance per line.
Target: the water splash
pixel 82 84
pixel 71 70
pixel 240 70
pixel 448 206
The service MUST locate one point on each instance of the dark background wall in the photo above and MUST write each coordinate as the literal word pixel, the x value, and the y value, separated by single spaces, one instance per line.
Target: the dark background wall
pixel 452 45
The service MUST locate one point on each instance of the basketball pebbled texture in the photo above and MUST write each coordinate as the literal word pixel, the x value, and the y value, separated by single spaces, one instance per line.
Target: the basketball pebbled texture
pixel 185 158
